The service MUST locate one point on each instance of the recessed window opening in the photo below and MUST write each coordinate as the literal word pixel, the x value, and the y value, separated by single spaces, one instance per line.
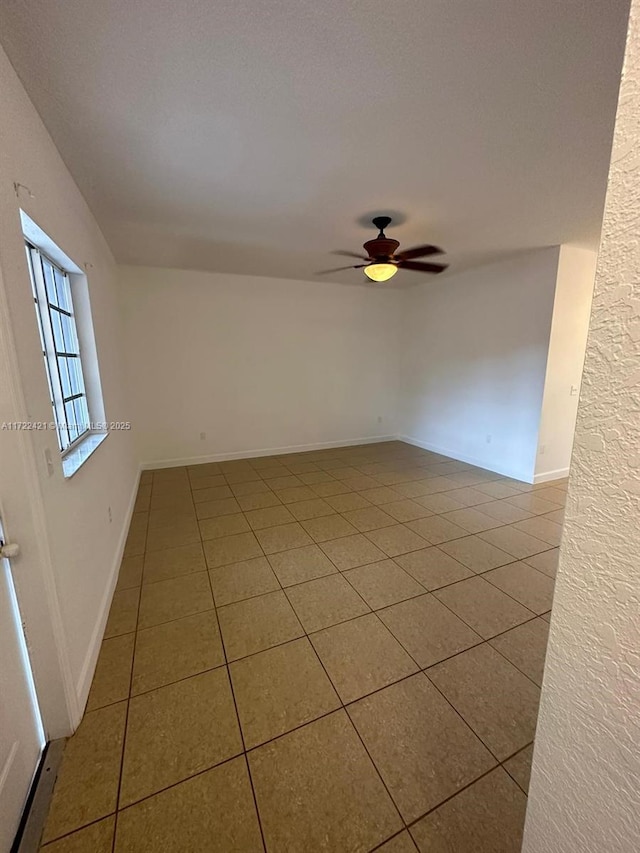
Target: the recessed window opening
pixel 61 299
pixel 60 347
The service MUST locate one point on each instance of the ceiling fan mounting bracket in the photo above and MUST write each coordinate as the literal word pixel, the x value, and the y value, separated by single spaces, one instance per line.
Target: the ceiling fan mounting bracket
pixel 381 222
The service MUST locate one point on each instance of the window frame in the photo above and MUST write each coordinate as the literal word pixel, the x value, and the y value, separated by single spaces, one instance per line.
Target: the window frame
pixel 56 359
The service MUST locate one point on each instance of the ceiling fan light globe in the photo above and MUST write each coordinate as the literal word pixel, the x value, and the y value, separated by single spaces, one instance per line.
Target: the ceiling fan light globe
pixel 380 272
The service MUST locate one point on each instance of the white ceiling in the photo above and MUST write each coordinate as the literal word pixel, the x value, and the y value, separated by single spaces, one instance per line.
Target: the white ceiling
pixel 250 136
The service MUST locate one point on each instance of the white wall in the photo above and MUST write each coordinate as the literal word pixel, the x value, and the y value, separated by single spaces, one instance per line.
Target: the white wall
pixel 571 310
pixel 256 363
pixel 585 785
pixel 475 350
pixel 66 521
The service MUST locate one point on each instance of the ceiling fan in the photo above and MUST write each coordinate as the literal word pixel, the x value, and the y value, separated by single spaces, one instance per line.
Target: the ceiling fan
pixel 383 260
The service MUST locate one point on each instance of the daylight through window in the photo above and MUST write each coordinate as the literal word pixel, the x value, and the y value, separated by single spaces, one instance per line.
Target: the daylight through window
pixel 60 347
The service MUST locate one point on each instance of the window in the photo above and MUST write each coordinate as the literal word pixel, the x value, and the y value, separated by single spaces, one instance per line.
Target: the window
pixel 60 347
pixel 63 310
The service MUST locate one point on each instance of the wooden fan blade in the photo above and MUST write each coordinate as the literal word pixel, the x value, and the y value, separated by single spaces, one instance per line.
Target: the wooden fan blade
pixel 419 266
pixel 340 269
pixel 418 252
pixel 350 255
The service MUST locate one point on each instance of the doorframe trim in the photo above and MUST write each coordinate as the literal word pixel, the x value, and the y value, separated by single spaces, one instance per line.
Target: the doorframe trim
pixel 37 806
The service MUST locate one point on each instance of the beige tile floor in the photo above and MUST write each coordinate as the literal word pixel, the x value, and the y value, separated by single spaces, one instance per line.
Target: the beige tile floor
pixel 330 651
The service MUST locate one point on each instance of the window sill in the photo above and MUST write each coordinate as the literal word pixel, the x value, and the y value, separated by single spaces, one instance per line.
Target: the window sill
pixel 79 455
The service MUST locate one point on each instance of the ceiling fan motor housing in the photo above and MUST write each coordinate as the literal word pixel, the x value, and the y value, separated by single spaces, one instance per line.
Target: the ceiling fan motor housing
pixel 381 248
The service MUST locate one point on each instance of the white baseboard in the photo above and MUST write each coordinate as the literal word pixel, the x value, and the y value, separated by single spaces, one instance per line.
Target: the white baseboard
pixel 461 457
pixel 91 658
pixel 267 451
pixel 545 476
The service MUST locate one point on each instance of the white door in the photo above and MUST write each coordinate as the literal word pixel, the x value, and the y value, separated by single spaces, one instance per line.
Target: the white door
pixel 22 737
pixel 21 733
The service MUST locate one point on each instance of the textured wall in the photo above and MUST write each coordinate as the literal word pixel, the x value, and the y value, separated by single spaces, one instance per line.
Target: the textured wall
pixel 585 791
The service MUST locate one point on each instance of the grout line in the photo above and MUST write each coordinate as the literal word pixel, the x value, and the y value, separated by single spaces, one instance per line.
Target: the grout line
pixel 128 700
pixel 344 709
pixel 238 721
pixel 447 799
pixel 228 760
pixel 278 737
pixel 426 590
pixel 309 635
pixel 423 671
pixel 393 838
pixel 333 624
pixel 394 461
pixel 464 787
pixel 44 848
pixel 488 640
pixel 503 765
pixel 344 706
